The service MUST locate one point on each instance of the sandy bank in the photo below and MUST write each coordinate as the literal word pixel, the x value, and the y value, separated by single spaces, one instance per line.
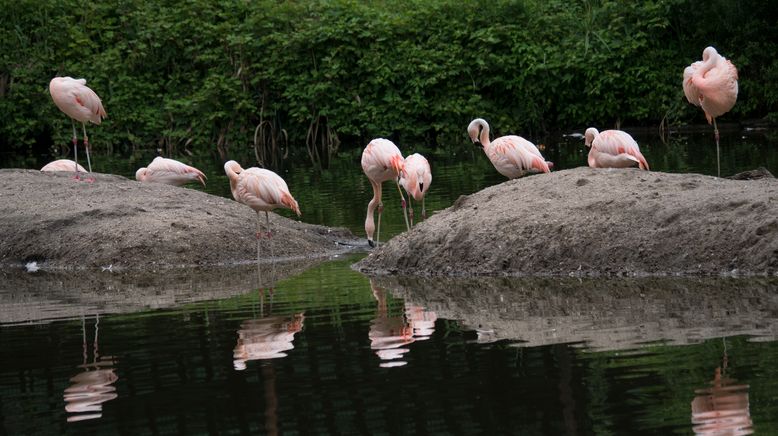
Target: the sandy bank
pixel 63 223
pixel 596 222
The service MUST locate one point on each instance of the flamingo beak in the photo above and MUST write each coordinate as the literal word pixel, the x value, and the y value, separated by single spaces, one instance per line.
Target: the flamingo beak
pixel 371 243
pixel 421 187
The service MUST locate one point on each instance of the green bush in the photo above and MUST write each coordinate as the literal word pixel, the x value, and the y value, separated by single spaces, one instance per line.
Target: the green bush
pixel 310 77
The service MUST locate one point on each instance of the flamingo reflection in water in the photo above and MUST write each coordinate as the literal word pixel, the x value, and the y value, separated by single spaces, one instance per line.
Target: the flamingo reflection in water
pixel 94 386
pixel 389 335
pixel 266 338
pixel 723 408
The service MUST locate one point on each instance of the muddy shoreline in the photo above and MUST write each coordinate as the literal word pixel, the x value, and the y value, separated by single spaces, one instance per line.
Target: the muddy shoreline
pixel 587 222
pixel 117 223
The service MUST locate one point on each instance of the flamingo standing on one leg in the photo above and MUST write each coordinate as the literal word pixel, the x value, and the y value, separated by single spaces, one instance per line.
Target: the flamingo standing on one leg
pixel 416 178
pixel 261 190
pixel 63 165
pixel 613 149
pixel 512 156
pixel 170 172
pixel 712 85
pixel 81 104
pixel 381 161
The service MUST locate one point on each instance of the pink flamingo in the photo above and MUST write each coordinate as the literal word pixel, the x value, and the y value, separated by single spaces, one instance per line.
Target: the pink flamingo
pixel 81 104
pixel 712 85
pixel 63 165
pixel 381 161
pixel 170 172
pixel 261 190
pixel 512 156
pixel 416 178
pixel 613 149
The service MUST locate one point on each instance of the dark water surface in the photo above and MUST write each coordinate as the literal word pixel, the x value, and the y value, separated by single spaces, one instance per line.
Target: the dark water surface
pixel 316 348
pixel 330 351
pixel 339 196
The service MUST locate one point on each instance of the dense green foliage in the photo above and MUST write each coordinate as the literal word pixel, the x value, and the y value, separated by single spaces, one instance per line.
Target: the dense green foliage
pixel 235 76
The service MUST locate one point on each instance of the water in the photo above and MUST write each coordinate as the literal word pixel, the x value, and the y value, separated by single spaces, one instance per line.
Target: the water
pixel 339 196
pixel 330 351
pixel 316 348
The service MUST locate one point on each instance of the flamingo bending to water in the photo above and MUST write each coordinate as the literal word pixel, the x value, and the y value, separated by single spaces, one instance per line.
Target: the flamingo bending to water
pixel 416 178
pixel 261 190
pixel 712 85
pixel 381 161
pixel 170 172
pixel 512 156
pixel 63 165
pixel 613 149
pixel 81 104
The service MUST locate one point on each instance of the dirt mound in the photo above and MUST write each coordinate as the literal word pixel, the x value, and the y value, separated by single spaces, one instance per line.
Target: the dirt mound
pixel 596 222
pixel 63 223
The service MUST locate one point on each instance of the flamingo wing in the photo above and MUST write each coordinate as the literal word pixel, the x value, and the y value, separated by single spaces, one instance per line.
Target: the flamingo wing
pixel 173 172
pixel 691 91
pixel 62 165
pixel 382 160
pixel 91 103
pixel 616 142
pixel 718 88
pixel 522 154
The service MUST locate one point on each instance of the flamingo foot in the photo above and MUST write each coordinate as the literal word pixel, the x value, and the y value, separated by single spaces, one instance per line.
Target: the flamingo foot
pixel 90 179
pixel 76 177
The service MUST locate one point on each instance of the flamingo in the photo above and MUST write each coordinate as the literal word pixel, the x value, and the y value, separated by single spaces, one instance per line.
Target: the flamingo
pixel 170 172
pixel 63 165
pixel 381 161
pixel 712 85
pixel 613 149
pixel 416 178
pixel 81 104
pixel 512 156
pixel 261 190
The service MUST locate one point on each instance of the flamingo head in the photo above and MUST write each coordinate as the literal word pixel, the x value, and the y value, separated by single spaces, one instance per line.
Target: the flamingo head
pixel 232 167
pixel 708 52
pixel 589 136
pixel 474 130
pixel 140 175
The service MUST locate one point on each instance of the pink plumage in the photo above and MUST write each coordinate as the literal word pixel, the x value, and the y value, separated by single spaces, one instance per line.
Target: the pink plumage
pixel 260 189
pixel 381 162
pixel 711 84
pixel 613 149
pixel 63 165
pixel 73 97
pixel 170 172
pixel 512 156
pixel 416 177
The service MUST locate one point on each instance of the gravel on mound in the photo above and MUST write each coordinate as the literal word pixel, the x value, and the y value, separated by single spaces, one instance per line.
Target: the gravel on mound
pixel 596 222
pixel 63 223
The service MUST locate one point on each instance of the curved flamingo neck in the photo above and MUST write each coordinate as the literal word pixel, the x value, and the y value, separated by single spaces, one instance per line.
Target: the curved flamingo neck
pixel 710 60
pixel 484 138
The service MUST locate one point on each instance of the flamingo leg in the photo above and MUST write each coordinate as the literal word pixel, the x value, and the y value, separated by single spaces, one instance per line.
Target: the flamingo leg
pixel 402 203
pixel 269 233
pixel 410 209
pixel 378 228
pixel 718 155
pixel 423 209
pixel 75 148
pixel 258 236
pixel 88 162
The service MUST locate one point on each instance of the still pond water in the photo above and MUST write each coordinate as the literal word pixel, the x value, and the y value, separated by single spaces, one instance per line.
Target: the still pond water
pixel 317 348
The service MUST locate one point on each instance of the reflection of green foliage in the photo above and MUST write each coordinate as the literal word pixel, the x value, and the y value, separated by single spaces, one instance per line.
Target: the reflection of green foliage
pixel 200 75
